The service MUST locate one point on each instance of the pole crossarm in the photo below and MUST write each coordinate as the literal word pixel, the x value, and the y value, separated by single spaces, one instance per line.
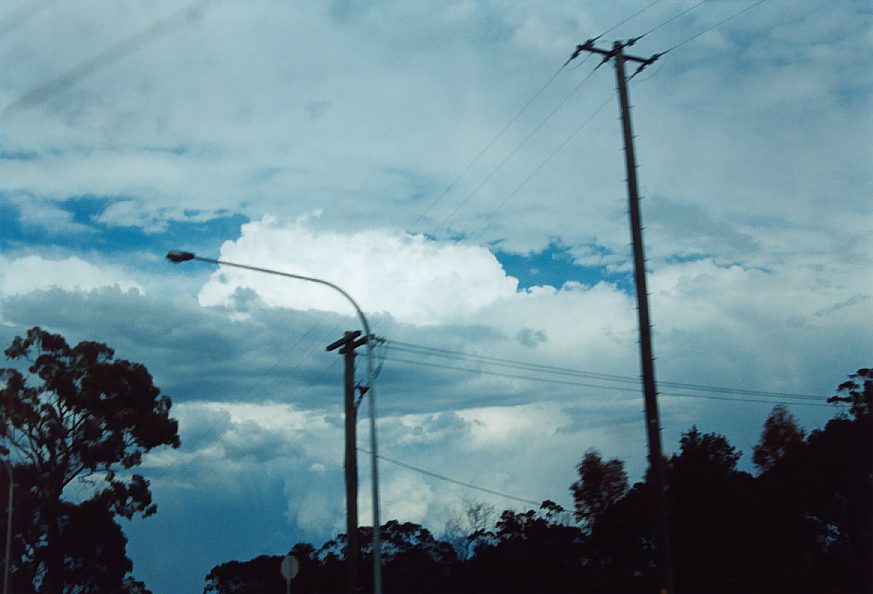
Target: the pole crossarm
pixel 349 342
pixel 608 54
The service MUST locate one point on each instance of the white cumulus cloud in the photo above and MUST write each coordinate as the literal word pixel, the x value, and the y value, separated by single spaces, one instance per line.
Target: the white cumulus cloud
pixel 30 273
pixel 414 279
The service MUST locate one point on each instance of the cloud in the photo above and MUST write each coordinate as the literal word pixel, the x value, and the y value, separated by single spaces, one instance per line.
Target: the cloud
pixel 46 216
pixel 531 338
pixel 29 273
pixel 410 277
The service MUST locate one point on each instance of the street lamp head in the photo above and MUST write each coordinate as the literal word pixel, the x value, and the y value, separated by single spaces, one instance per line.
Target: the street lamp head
pixel 178 256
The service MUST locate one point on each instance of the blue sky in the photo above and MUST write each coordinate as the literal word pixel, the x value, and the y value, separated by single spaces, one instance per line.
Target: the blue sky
pixel 432 160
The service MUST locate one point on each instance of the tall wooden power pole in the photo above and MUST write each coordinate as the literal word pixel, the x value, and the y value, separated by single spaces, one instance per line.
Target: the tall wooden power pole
pixel 347 345
pixel 653 424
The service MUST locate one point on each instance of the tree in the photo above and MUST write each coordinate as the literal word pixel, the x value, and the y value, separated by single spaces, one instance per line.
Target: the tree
pixel 858 395
pixel 257 576
pixel 414 561
pixel 600 485
pixel 466 529
pixel 77 413
pixel 781 436
pixel 532 551
pixel 709 500
pixel 817 501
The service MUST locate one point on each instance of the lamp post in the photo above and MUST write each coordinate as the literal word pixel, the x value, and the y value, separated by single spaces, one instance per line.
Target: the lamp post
pixel 8 527
pixel 177 257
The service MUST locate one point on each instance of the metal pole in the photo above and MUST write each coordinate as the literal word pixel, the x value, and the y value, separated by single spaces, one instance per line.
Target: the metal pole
pixel 180 256
pixel 8 528
pixel 377 550
pixel 653 426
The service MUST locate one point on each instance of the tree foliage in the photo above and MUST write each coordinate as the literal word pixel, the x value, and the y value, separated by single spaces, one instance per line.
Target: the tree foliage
pixel 468 528
pixel 601 483
pixel 801 525
pixel 73 413
pixel 781 437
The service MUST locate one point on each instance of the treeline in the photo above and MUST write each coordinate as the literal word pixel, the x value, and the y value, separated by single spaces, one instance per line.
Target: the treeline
pixel 801 524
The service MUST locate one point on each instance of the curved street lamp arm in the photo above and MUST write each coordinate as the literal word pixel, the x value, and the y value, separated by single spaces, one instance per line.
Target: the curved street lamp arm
pixel 311 279
pixel 178 256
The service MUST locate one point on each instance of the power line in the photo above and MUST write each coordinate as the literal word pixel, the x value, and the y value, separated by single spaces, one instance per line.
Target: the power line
pixel 512 153
pixel 484 150
pixel 503 203
pixel 553 370
pixel 637 13
pixel 670 20
pixel 449 479
pixel 718 24
pixel 522 365
pixel 603 387
pixel 282 358
pixel 527 365
pixel 512 121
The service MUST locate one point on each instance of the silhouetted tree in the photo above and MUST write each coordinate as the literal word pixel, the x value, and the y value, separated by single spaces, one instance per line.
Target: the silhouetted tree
pixel 601 483
pixel 260 575
pixel 77 413
pixel 469 527
pixel 413 559
pixel 857 391
pixel 533 551
pixel 619 552
pixel 802 525
pixel 781 437
pixel 710 501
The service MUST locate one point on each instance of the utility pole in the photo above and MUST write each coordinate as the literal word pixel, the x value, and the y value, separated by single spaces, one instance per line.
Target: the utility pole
pixel 6 569
pixel 653 424
pixel 347 345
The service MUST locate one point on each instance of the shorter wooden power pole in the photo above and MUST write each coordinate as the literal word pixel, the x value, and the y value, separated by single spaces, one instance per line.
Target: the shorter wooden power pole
pixel 347 345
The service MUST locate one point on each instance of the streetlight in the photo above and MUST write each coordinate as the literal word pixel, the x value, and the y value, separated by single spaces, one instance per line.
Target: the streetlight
pixel 177 257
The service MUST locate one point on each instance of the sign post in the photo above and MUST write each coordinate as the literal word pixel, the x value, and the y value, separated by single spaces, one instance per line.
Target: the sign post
pixel 289 569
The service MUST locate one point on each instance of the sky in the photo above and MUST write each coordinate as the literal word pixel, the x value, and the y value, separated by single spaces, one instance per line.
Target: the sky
pixel 435 161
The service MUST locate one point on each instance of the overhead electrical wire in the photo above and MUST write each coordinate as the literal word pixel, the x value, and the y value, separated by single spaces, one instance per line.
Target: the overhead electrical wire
pixel 716 25
pixel 670 20
pixel 518 114
pixel 524 365
pixel 424 350
pixel 549 380
pixel 448 479
pixel 512 153
pixel 637 13
pixel 484 150
pixel 282 358
pixel 533 174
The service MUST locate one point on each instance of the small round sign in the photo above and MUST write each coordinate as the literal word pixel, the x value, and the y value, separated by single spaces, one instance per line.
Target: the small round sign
pixel 289 567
